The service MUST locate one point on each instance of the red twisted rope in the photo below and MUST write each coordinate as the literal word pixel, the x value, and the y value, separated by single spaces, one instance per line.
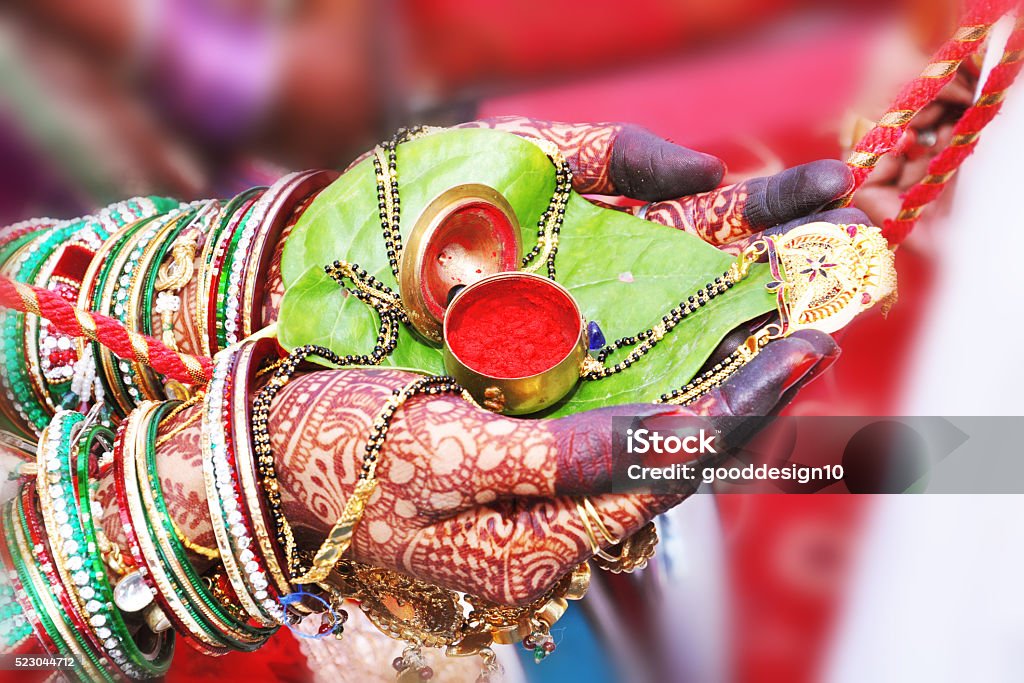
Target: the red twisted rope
pixel 106 331
pixel 966 132
pixel 975 25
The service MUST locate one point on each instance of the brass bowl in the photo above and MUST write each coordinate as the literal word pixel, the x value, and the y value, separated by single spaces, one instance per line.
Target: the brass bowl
pixel 464 235
pixel 518 395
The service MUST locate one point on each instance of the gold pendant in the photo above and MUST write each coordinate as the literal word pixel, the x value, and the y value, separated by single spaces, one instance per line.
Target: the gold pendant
pixel 823 275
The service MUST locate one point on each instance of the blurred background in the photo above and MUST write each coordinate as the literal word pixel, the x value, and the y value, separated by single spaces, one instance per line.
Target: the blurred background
pixel 104 99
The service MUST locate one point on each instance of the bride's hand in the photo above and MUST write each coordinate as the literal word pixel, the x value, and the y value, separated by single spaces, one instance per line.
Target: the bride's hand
pixel 468 499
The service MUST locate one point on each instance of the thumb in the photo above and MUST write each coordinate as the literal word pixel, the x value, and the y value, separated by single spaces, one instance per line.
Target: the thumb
pixel 585 464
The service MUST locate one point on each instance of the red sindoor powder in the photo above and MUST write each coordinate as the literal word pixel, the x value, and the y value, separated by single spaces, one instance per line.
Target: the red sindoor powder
pixel 512 327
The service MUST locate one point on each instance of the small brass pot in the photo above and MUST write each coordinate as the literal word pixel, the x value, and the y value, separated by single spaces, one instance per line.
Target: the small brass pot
pixel 519 395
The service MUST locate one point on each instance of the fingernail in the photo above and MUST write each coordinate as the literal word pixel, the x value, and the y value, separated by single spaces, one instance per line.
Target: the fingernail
pixel 820 351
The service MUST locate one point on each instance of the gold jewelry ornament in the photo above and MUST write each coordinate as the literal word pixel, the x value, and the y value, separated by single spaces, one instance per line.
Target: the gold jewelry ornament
pixel 634 552
pixel 591 521
pixel 823 275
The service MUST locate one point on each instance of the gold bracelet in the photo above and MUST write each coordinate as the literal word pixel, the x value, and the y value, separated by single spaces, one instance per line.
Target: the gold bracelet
pixel 182 427
pixel 202 551
pixel 202 277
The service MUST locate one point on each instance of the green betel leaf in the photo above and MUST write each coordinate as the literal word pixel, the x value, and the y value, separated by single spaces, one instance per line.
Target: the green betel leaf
pixel 624 272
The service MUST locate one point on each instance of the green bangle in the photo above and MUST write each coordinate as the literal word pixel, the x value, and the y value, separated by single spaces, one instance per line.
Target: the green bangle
pixel 72 545
pixel 14 245
pixel 102 610
pixel 234 631
pixel 112 299
pixel 15 626
pixel 225 272
pixel 40 594
pixel 214 253
pixel 28 586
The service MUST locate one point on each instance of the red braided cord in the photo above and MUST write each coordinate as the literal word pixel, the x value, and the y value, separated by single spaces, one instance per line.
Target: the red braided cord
pixel 917 94
pixel 110 333
pixel 943 167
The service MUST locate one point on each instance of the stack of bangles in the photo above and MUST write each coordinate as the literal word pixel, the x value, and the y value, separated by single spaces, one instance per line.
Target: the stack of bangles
pixel 67 589
pixel 112 590
pixel 137 261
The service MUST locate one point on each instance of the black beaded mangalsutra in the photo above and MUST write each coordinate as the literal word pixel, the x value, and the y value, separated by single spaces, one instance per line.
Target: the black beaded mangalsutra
pixel 549 225
pixel 389 203
pixel 283 373
pixel 648 339
pixel 389 305
pixel 381 298
pixel 265 465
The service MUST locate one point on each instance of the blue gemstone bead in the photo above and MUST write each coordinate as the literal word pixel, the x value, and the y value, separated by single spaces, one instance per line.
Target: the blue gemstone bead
pixel 595 337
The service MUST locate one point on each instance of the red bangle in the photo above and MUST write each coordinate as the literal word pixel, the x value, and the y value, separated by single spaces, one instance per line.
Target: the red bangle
pixel 21 596
pixel 283 211
pixel 47 566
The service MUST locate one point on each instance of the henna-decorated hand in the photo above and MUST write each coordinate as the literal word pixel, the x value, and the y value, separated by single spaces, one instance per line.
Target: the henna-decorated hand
pixel 467 499
pixel 480 502
pixel 617 159
pixel 680 184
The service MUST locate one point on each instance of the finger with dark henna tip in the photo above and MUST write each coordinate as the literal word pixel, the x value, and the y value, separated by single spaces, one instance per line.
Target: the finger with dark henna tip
pixel 732 213
pixel 585 462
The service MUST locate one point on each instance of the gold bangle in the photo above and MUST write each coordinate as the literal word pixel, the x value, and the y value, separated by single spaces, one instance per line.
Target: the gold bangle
pixel 148 381
pixel 199 312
